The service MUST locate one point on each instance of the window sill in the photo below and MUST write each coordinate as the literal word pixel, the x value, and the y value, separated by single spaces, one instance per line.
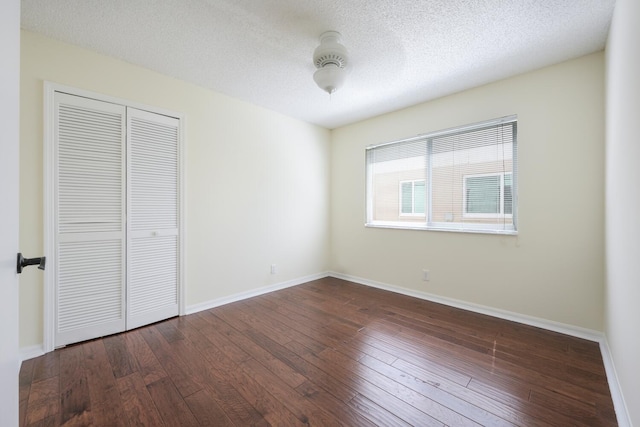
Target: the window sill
pixel 434 227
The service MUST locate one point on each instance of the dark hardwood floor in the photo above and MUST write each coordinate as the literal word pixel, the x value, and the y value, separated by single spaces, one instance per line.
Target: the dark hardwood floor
pixel 325 353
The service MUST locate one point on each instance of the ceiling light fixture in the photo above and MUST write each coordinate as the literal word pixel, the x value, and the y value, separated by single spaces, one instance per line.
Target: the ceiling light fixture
pixel 330 59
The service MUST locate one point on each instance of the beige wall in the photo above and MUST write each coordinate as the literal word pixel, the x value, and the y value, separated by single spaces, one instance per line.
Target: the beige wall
pixel 554 268
pixel 256 179
pixel 622 313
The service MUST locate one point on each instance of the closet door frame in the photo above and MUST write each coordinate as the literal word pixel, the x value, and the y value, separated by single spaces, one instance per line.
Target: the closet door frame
pixel 49 292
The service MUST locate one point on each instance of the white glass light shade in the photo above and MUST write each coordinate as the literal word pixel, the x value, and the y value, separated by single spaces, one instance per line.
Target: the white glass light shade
pixel 330 78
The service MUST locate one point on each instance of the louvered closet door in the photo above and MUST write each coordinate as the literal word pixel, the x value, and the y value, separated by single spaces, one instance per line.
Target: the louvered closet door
pixel 89 197
pixel 152 267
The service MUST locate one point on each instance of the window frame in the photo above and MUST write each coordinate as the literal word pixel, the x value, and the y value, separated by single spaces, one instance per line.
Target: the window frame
pixel 430 224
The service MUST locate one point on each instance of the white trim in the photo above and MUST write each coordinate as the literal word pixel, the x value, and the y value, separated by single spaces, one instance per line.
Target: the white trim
pixel 49 185
pixel 49 218
pixel 182 217
pixel 56 87
pixel 619 404
pixel 253 293
pixel 452 227
pixel 31 352
pixel 563 328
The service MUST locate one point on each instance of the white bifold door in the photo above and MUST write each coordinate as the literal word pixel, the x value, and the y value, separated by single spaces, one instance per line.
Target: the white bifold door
pixel 116 218
pixel 152 232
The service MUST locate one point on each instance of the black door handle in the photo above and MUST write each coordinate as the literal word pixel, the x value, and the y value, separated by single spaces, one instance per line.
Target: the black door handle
pixel 24 262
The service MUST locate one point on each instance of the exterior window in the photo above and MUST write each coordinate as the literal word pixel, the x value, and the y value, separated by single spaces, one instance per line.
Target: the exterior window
pixel 461 179
pixel 488 195
pixel 413 198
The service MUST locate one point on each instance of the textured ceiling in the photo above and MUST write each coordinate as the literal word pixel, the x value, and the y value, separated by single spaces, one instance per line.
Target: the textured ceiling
pixel 402 52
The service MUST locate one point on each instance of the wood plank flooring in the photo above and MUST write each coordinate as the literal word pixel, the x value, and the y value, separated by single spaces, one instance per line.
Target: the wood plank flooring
pixel 326 353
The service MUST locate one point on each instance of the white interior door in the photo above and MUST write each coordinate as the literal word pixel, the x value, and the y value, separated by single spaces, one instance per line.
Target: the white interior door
pixel 9 178
pixel 153 217
pixel 89 201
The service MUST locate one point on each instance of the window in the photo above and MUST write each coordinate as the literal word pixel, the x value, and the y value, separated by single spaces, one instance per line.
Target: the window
pixel 488 195
pixel 462 179
pixel 413 200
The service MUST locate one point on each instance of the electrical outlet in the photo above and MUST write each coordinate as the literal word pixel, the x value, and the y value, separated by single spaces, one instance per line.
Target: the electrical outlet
pixel 426 275
pixel 274 269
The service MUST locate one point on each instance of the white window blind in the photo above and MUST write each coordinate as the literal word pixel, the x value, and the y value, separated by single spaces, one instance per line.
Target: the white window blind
pixel 461 179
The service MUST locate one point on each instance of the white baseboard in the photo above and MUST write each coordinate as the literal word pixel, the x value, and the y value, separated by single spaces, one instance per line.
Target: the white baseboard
pixel 619 404
pixel 622 414
pixel 30 352
pixel 550 325
pixel 252 293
